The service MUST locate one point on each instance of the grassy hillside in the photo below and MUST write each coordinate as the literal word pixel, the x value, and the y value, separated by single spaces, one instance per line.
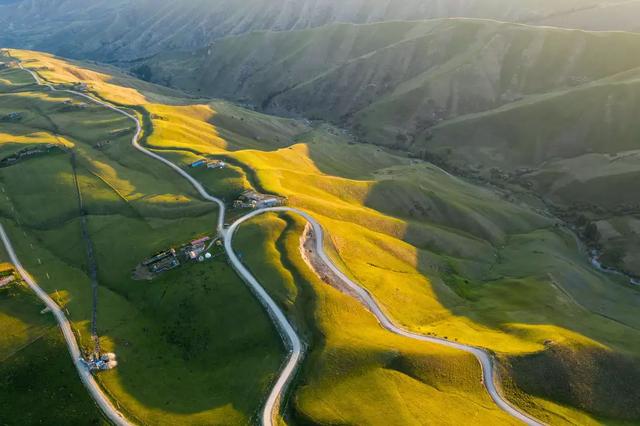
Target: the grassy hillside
pixel 353 365
pixel 447 238
pixel 199 326
pixel 619 14
pixel 460 255
pixel 131 30
pixel 398 78
pixel 546 109
pixel 571 147
pixel 573 376
pixel 35 365
pixel 470 263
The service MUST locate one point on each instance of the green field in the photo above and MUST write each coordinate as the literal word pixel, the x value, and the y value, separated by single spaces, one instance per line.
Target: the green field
pixel 487 271
pixel 34 360
pixel 442 255
pixel 35 366
pixel 355 372
pixel 193 346
pixel 470 263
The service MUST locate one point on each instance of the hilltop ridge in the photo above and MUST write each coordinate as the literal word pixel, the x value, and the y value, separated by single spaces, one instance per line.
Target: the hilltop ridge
pixel 137 29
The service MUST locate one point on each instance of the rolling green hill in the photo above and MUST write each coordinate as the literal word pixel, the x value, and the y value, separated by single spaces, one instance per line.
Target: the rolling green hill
pixel 35 365
pixel 442 255
pixel 193 345
pixel 547 109
pixel 393 81
pixel 523 103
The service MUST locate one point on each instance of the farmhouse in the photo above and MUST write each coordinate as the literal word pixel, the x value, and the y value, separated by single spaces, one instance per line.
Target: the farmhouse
pixel 162 262
pixel 5 281
pixel 256 200
pixel 269 202
pixel 211 164
pixel 101 363
pixel 194 251
pixel 216 164
pixel 195 248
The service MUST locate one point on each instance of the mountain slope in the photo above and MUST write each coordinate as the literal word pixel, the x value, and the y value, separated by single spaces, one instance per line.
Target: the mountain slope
pixel 621 15
pixel 471 264
pixel 522 104
pixel 393 81
pixel 134 29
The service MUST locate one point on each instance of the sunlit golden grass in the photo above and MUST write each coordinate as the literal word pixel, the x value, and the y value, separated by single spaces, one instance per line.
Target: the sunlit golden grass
pixel 58 71
pixel 356 365
pixel 442 256
pixel 186 127
pixel 400 259
pixel 372 244
pixel 135 209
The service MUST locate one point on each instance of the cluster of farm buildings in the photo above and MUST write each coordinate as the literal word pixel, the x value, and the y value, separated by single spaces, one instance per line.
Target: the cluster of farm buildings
pixel 248 199
pixel 256 200
pixel 103 362
pixel 210 164
pixel 166 260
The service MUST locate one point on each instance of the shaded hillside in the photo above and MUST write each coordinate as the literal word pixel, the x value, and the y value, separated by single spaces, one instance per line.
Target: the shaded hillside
pixel 622 15
pixel 133 29
pixel 594 379
pixel 549 109
pixel 470 264
pixel 403 84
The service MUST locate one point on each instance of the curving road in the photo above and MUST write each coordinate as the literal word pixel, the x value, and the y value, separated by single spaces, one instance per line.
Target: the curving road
pixel 134 141
pixel 488 372
pixel 87 378
pixel 292 341
pixel 271 408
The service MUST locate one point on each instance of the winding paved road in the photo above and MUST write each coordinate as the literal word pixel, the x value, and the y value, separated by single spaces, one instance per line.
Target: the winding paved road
pixel 87 378
pixel 293 342
pixel 488 373
pixel 272 406
pixel 135 142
